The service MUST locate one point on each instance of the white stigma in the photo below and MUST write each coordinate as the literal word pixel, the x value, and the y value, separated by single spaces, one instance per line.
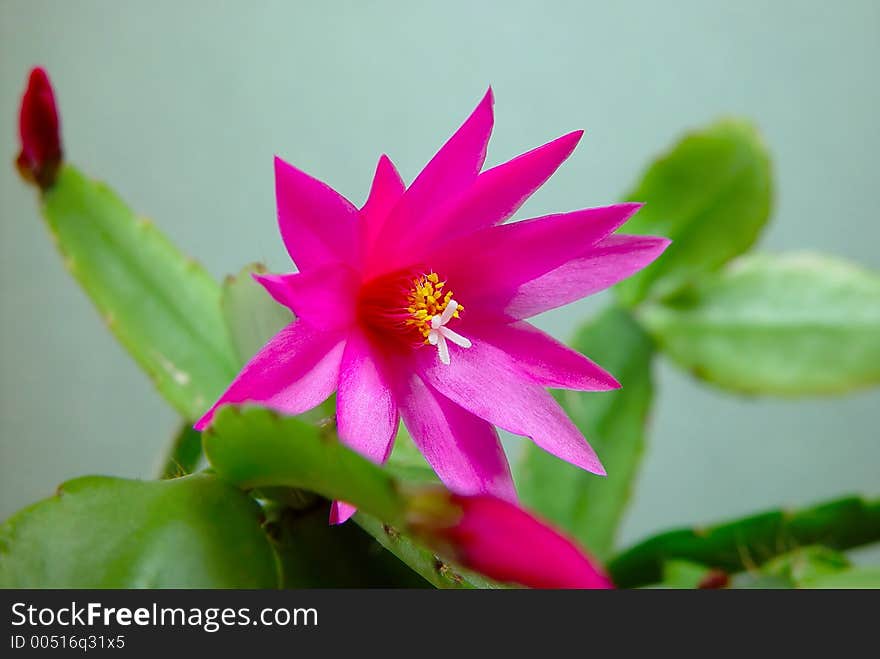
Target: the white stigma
pixel 440 334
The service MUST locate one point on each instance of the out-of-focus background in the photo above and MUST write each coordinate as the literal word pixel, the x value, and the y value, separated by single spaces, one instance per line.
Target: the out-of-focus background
pixel 181 105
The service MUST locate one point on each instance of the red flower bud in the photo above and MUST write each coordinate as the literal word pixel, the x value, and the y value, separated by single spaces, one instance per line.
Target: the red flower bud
pixel 39 131
pixel 504 542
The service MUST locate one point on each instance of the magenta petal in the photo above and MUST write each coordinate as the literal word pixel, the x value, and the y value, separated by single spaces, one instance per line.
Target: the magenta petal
pixel 465 451
pixel 295 371
pixel 489 383
pixel 318 225
pixel 341 512
pixel 506 543
pixel 487 267
pixel 386 191
pixel 547 361
pixel 448 174
pixel 607 263
pixel 366 412
pixel 322 297
pixel 499 192
pixel 277 286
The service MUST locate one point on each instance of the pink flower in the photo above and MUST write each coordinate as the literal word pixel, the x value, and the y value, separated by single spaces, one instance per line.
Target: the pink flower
pixel 414 306
pixel 39 132
pixel 504 542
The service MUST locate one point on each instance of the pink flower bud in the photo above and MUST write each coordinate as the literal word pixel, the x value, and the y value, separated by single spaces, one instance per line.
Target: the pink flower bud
pixel 39 131
pixel 504 542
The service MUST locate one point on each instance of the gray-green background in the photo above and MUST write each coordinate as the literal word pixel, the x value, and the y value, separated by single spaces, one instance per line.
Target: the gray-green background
pixel 181 105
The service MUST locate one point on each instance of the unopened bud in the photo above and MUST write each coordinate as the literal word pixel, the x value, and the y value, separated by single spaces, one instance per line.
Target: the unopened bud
pixel 502 541
pixel 39 131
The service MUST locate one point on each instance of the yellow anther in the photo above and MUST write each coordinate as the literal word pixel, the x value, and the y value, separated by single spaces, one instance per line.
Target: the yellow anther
pixel 426 300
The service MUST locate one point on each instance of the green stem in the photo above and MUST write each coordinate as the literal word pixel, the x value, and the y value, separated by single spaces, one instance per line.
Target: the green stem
pixel 749 542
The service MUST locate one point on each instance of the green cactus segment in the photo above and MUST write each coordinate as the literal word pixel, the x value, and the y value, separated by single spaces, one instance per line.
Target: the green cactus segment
pixel 684 574
pixel 806 565
pixel 99 532
pixel 801 568
pixel 163 307
pixel 183 453
pixel 855 578
pixel 711 195
pixel 406 462
pixel 251 315
pixel 788 325
pixel 587 506
pixel 431 567
pixel 315 554
pixel 255 448
pixel 752 541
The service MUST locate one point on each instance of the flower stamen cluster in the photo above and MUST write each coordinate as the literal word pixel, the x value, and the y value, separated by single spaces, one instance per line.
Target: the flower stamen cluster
pixel 430 310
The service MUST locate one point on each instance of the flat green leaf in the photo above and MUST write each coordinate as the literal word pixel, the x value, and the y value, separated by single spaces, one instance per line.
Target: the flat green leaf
pixel 250 313
pixel 795 324
pixel 99 532
pixel 711 194
pixel 163 307
pixel 751 541
pixel 255 448
pixel 588 506
pixel 858 577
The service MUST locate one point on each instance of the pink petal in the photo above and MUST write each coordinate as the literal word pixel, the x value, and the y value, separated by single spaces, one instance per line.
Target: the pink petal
pixel 386 191
pixel 607 263
pixel 366 413
pixel 486 268
pixel 295 371
pixel 499 192
pixel 504 542
pixel 465 451
pixel 323 297
pixel 318 225
pixel 341 512
pixel 449 173
pixel 365 409
pixel 544 359
pixel 489 383
pixel 278 286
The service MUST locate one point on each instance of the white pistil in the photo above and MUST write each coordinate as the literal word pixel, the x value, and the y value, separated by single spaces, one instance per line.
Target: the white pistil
pixel 440 334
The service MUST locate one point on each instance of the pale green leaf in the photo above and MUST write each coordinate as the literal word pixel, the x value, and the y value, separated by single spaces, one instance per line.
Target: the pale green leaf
pixel 163 307
pixel 855 578
pixel 251 315
pixel 794 324
pixel 711 195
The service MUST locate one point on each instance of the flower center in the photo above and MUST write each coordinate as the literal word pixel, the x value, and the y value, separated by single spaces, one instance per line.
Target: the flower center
pixel 414 309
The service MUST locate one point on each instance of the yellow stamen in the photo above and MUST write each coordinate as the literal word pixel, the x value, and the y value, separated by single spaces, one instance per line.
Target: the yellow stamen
pixel 426 300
